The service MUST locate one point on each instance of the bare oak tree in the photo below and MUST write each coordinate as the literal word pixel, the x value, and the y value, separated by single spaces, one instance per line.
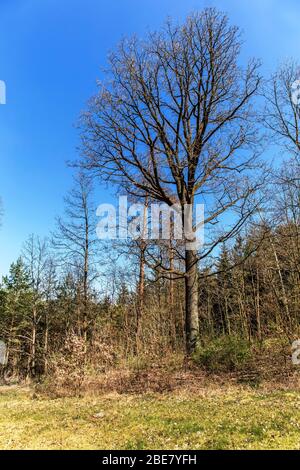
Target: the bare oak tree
pixel 173 122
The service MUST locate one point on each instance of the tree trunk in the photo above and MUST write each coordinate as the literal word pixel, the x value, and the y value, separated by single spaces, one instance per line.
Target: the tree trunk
pixel 191 302
pixel 85 306
pixel 141 284
pixel 140 306
pixel 171 298
pixel 284 295
pixel 33 351
pixel 85 281
pixel 46 340
pixel 31 363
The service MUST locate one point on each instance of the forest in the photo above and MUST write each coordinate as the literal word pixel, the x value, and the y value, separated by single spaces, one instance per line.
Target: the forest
pixel 177 120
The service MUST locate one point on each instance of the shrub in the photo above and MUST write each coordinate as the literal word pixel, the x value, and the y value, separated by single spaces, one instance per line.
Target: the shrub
pixel 66 369
pixel 224 354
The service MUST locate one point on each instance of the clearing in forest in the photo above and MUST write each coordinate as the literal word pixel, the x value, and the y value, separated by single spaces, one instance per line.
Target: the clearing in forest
pixel 228 418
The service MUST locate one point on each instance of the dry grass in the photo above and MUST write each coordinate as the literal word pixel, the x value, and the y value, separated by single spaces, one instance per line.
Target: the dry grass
pixel 213 417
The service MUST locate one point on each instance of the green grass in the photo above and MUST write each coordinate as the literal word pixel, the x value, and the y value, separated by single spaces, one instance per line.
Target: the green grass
pixel 232 418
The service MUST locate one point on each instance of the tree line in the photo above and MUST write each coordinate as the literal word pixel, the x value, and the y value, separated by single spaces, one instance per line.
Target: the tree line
pixel 178 121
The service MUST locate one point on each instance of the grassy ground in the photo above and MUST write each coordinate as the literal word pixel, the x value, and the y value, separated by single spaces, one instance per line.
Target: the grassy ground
pixel 230 418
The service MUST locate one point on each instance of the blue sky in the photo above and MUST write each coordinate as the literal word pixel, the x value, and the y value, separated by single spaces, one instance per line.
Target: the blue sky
pixel 51 53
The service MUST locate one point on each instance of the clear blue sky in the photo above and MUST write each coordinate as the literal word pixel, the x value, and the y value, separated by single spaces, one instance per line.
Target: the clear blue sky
pixel 51 53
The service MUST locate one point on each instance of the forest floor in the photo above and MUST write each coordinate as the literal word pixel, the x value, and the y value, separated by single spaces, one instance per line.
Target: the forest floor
pixel 232 417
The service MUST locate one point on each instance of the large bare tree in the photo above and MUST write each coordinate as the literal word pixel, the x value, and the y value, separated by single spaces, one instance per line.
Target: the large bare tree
pixel 173 122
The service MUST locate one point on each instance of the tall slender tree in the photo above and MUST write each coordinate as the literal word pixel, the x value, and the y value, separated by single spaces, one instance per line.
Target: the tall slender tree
pixel 76 240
